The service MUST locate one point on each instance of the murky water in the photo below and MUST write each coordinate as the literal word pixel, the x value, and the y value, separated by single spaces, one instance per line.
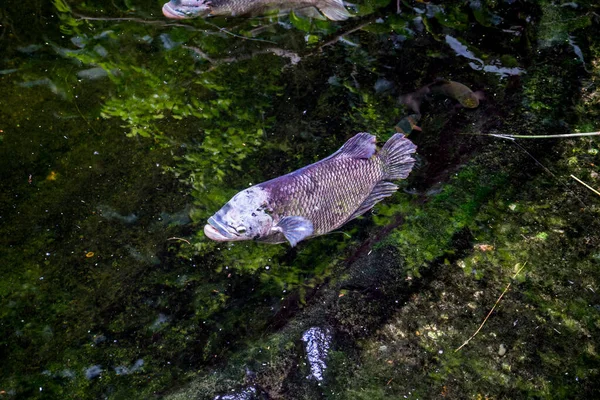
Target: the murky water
pixel 121 132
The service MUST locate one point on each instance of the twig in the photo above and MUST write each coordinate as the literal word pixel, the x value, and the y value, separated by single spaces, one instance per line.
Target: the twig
pixel 202 54
pixel 77 107
pixel 294 57
pixel 178 238
pixel 131 19
pixel 492 310
pixel 585 184
pixel 163 23
pixel 512 137
pixel 549 172
pixel 236 35
pixel 344 33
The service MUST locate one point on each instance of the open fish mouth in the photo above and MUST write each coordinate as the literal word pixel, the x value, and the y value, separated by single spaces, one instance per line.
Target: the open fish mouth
pixel 216 230
pixel 182 9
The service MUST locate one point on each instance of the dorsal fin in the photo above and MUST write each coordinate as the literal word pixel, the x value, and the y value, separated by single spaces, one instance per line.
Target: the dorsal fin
pixel 294 228
pixel 361 145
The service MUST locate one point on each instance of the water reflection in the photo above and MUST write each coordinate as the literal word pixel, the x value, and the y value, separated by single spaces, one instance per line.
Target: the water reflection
pixel 318 342
pixel 123 370
pixel 463 50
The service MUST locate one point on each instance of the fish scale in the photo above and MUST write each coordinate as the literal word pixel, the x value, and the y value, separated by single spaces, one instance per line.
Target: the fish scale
pixel 326 193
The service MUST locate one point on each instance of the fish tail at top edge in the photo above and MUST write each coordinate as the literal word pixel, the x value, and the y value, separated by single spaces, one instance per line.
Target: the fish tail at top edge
pixel 396 157
pixel 334 10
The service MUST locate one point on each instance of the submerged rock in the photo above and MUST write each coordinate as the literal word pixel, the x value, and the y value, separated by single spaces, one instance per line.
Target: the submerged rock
pixel 317 341
pixel 502 350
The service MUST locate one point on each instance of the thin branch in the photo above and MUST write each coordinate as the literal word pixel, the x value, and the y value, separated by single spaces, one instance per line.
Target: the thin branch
pixel 178 238
pixel 549 172
pixel 132 19
pixel 344 33
pixel 202 54
pixel 585 184
pixel 492 310
pixel 162 23
pixel 512 137
pixel 293 57
pixel 236 35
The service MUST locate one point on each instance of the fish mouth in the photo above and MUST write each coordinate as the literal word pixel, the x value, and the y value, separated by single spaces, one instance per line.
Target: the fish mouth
pixel 217 231
pixel 178 9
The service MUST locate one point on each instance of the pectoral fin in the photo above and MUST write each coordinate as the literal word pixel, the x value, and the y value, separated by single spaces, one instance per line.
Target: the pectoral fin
pixel 334 10
pixel 309 12
pixel 295 229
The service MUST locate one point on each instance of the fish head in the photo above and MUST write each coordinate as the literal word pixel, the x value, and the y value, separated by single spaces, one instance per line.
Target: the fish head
pixel 183 9
pixel 247 216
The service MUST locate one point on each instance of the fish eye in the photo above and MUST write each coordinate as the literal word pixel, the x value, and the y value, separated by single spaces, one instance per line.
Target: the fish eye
pixel 240 229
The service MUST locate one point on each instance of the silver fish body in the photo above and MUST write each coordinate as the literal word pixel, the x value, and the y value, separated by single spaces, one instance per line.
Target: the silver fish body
pixel 183 9
pixel 318 198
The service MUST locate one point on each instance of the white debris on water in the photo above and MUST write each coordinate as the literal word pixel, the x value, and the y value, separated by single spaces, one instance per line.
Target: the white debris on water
pixel 92 73
pixel 493 67
pixel 159 322
pixel 123 370
pixel 317 341
pixel 93 371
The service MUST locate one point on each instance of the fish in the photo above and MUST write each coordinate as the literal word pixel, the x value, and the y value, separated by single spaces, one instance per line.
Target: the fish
pixel 184 9
pixel 455 90
pixel 408 124
pixel 317 198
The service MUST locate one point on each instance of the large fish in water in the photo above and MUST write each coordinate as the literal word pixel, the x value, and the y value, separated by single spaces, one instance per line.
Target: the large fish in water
pixel 318 198
pixel 181 9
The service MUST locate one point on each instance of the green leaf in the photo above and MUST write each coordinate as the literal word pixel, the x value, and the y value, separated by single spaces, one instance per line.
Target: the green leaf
pixel 303 24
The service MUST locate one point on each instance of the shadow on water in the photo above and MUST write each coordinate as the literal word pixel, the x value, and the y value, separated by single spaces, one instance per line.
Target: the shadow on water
pixel 121 132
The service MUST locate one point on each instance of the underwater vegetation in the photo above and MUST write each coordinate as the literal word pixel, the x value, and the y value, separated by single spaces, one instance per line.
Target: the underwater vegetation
pixel 122 132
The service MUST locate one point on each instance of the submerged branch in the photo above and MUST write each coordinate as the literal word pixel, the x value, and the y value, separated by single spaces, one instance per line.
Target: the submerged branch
pixel 513 137
pixel 585 184
pixel 340 35
pixel 131 19
pixel 294 57
pixel 180 239
pixel 163 23
pixel 492 310
pixel 236 35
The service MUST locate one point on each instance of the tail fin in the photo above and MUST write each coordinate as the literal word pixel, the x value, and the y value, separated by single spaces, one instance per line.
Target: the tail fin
pixel 333 9
pixel 396 157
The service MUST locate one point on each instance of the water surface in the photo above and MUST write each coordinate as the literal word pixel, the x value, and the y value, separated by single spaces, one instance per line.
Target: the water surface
pixel 121 132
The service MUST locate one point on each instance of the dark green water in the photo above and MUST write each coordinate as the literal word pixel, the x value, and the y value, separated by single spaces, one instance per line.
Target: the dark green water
pixel 121 132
